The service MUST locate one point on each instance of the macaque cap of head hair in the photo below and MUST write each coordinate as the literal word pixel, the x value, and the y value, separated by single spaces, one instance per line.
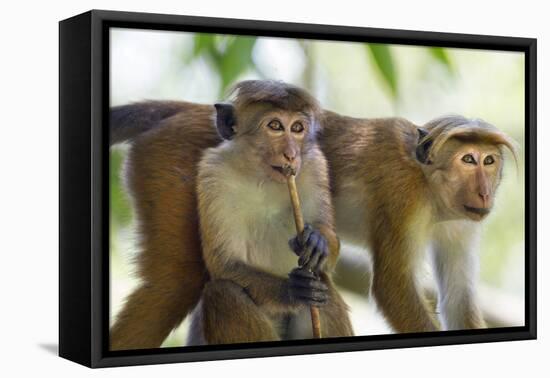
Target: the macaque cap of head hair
pixel 276 93
pixel 442 129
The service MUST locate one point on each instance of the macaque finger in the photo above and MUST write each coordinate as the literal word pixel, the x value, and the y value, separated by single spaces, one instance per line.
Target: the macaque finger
pixel 301 273
pixel 322 263
pixel 322 255
pixel 310 297
pixel 309 248
pixel 305 234
pixel 307 281
pixel 311 264
pixel 315 285
pixel 295 246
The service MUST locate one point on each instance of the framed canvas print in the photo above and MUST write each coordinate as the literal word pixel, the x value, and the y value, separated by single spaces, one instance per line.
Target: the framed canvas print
pixel 236 188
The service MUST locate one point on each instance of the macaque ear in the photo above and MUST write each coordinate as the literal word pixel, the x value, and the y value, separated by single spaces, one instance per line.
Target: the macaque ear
pixel 423 146
pixel 225 120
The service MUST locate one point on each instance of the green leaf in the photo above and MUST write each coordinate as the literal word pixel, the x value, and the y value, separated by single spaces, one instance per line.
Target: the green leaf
pixel 204 43
pixel 229 55
pixel 236 58
pixel 383 60
pixel 441 55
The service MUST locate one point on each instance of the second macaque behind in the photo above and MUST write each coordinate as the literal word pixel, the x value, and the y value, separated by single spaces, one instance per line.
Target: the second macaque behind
pixel 257 291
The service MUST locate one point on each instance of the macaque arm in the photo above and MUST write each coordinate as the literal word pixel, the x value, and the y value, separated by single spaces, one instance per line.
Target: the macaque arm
pixel 333 245
pixel 325 216
pixel 397 292
pixel 456 268
pixel 266 290
pixel 400 299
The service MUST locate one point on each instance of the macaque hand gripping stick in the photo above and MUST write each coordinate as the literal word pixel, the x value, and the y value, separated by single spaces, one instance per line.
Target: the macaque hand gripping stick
pixel 290 174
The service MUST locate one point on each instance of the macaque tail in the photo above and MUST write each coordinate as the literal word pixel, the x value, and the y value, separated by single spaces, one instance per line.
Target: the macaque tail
pixel 128 121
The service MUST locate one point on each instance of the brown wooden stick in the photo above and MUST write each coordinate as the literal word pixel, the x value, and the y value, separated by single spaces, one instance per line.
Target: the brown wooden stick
pixel 295 200
pixel 299 220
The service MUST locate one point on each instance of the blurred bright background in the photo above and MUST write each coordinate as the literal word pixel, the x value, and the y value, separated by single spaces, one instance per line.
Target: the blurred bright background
pixel 355 79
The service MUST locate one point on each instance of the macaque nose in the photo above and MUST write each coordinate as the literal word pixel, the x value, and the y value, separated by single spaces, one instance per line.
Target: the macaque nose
pixel 485 197
pixel 484 188
pixel 290 155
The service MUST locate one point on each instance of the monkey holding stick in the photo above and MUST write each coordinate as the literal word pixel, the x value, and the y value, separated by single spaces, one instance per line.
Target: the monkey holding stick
pixel 256 291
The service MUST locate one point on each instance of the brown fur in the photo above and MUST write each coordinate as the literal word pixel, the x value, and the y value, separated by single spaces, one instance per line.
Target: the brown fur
pixel 379 154
pixel 276 94
pixel 403 200
pixel 160 174
pixel 248 323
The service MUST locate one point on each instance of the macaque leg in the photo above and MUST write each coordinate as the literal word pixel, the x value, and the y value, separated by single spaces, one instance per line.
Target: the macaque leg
pixel 334 315
pixel 170 264
pixel 228 315
pixel 152 311
pixel 335 320
pixel 456 270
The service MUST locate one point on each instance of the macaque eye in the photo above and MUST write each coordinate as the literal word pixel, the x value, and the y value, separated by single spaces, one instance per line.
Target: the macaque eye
pixel 468 159
pixel 275 125
pixel 297 127
pixel 489 160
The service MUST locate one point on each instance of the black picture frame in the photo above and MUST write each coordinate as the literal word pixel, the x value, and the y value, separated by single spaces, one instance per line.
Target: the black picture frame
pixel 84 182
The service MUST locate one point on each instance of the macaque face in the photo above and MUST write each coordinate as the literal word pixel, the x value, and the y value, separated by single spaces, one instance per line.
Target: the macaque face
pixel 280 139
pixel 467 177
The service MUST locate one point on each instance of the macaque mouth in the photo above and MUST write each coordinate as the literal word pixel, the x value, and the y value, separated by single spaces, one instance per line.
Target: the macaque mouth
pixel 477 210
pixel 278 169
pixel 286 170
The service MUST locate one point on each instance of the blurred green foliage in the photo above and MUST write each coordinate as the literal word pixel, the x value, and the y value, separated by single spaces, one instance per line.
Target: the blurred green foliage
pixel 383 59
pixel 229 57
pixel 232 58
pixel 441 55
pixel 121 213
